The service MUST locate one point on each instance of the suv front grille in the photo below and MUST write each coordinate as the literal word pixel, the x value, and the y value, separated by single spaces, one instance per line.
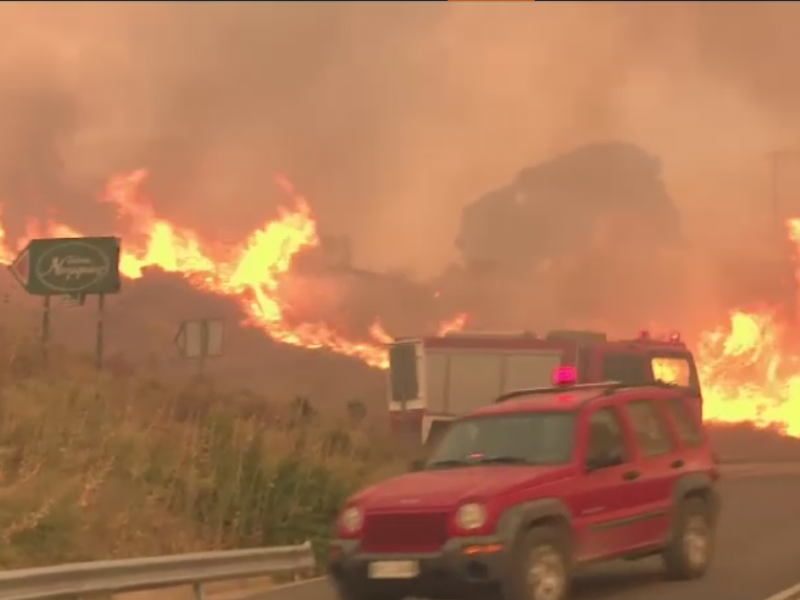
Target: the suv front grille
pixel 404 532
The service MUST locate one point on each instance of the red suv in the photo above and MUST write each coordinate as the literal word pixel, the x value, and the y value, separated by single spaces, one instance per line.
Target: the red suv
pixel 520 493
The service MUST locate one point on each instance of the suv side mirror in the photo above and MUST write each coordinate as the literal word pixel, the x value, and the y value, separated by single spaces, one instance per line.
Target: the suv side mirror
pixel 416 465
pixel 592 464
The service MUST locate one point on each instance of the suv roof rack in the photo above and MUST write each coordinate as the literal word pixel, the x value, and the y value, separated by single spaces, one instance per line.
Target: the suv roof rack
pixel 602 385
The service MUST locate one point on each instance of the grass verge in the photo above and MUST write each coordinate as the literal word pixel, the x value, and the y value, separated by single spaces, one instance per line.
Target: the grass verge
pixel 108 465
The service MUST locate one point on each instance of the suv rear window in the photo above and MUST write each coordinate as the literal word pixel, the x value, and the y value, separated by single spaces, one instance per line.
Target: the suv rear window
pixel 686 423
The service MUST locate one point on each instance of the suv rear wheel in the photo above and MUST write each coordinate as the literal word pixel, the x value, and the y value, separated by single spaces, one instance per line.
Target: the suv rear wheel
pixel 691 547
pixel 540 568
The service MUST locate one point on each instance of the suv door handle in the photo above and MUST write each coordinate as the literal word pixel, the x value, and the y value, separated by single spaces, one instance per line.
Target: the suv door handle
pixel 677 464
pixel 631 475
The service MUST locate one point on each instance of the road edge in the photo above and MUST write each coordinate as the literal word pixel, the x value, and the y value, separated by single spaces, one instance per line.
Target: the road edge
pixel 789 593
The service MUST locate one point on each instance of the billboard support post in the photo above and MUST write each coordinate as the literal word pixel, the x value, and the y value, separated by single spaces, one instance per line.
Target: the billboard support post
pixel 73 268
pixel 100 339
pixel 45 329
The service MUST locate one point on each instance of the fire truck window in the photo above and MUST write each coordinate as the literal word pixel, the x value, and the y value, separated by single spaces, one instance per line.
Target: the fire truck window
pixel 435 380
pixel 626 368
pixel 403 372
pixel 650 430
pixel 672 369
pixel 530 370
pixel 475 380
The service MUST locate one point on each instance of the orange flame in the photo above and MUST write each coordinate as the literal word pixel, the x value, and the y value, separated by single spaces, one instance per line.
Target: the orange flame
pixel 750 370
pixel 748 375
pixel 377 332
pixel 251 272
pixel 457 323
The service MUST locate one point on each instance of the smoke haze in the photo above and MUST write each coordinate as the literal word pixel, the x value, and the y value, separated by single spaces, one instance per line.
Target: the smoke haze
pixel 390 117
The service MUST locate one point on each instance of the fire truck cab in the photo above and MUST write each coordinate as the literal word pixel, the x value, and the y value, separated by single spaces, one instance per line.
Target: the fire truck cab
pixel 433 380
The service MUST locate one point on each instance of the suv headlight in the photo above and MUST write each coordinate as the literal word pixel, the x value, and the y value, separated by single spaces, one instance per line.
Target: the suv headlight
pixel 471 516
pixel 351 519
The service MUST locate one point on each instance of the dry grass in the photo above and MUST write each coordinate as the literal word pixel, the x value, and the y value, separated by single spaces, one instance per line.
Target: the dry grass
pixel 113 464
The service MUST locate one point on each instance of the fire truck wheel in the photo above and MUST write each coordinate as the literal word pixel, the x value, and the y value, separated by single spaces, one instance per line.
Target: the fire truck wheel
pixel 541 566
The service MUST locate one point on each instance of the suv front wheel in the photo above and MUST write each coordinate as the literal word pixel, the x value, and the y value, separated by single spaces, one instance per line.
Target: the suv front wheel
pixel 691 547
pixel 540 568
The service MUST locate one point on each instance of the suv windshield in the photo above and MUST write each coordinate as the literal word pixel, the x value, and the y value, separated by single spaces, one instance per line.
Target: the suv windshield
pixel 544 438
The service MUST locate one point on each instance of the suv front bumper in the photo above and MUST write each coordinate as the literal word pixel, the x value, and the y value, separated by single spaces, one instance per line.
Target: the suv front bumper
pixel 455 572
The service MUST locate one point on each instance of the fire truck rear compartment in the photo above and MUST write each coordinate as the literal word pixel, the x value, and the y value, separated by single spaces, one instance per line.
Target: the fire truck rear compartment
pixel 452 380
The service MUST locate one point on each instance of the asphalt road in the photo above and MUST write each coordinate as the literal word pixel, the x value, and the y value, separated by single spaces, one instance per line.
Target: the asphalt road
pixel 758 552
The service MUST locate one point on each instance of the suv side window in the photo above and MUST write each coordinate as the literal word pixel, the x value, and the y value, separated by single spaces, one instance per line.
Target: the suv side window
pixel 606 443
pixel 652 435
pixel 685 421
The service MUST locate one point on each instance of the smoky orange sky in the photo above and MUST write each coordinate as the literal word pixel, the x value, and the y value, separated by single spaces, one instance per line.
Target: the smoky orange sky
pixel 390 117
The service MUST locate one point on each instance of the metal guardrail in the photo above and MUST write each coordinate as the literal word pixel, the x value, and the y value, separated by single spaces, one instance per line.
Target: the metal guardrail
pixel 89 579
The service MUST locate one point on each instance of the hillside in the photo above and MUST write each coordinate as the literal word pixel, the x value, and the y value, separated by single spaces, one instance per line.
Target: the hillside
pixel 141 323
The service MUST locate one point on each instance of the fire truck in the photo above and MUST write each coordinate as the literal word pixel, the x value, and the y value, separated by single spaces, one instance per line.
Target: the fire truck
pixel 433 380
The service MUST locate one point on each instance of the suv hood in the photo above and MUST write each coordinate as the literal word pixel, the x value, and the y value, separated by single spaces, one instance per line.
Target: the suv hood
pixel 450 487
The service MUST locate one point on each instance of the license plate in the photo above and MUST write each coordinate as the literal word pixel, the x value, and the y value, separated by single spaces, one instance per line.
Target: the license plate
pixel 393 569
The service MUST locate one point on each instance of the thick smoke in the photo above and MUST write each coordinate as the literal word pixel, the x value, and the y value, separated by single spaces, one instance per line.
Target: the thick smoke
pixel 392 116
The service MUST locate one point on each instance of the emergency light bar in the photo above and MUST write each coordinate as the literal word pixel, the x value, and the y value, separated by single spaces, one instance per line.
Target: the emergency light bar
pixel 672 338
pixel 565 376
